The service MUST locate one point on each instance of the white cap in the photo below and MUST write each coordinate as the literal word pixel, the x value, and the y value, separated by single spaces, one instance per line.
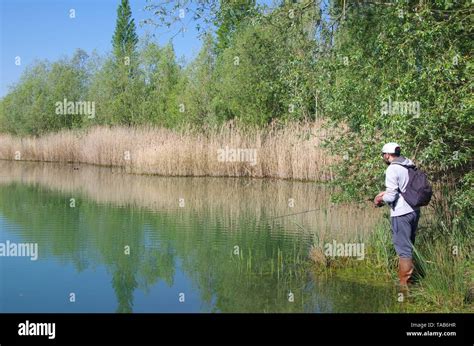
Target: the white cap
pixel 391 148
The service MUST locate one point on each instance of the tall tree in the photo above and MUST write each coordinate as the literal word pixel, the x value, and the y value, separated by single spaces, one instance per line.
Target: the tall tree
pixel 125 38
pixel 125 79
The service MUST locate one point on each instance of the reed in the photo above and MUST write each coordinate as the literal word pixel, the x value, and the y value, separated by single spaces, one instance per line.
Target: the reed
pixel 290 152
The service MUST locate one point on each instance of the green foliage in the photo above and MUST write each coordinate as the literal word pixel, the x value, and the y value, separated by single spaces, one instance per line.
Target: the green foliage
pixel 415 53
pixel 266 72
pixel 124 75
pixel 200 90
pixel 125 39
pixel 163 82
pixel 463 204
pixel 230 16
pixel 31 105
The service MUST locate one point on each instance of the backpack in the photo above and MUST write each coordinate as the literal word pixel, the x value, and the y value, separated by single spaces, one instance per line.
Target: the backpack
pixel 419 191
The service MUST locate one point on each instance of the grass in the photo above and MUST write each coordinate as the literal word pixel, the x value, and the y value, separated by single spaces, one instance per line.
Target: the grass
pixel 185 152
pixel 443 262
pixel 446 264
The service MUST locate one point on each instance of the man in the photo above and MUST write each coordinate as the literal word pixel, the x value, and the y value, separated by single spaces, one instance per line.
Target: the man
pixel 403 217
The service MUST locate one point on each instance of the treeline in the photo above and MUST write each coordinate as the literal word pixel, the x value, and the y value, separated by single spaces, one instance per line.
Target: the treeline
pixel 377 70
pixel 255 69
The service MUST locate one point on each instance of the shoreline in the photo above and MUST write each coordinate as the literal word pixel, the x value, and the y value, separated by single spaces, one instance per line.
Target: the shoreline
pixel 123 169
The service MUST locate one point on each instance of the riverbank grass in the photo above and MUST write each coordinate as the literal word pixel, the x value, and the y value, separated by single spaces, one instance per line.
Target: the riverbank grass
pixel 443 276
pixel 292 151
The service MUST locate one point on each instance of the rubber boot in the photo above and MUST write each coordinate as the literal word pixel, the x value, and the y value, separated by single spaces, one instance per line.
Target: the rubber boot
pixel 405 269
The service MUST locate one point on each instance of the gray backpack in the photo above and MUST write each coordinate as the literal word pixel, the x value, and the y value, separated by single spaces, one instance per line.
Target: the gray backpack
pixel 419 191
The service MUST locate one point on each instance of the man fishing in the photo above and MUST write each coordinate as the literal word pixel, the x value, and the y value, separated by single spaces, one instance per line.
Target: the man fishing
pixel 404 216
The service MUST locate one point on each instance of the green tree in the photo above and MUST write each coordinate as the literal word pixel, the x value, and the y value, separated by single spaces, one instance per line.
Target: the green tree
pixel 125 39
pixel 126 83
pixel 231 14
pixel 163 78
pixel 31 105
pixel 200 89
pixel 266 72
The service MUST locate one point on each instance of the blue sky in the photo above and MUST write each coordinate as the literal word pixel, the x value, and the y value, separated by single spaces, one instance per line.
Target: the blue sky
pixel 43 29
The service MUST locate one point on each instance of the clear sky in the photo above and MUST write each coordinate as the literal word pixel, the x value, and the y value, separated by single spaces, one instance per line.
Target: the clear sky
pixel 43 29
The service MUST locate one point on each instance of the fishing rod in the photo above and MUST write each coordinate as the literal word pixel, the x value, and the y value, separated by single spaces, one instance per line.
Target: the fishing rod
pixel 317 209
pixel 302 212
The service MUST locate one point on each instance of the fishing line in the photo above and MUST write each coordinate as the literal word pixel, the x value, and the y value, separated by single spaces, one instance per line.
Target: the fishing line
pixel 309 211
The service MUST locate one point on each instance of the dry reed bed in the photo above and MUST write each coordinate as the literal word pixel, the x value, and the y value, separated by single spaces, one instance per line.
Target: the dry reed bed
pixel 224 201
pixel 293 152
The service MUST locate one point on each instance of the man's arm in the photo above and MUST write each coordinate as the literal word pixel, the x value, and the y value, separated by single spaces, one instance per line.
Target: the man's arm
pixel 391 185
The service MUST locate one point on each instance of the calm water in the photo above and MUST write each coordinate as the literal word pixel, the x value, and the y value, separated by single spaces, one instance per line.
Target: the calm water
pixel 116 242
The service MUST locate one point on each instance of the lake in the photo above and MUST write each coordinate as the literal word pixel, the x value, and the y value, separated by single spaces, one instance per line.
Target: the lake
pixel 108 241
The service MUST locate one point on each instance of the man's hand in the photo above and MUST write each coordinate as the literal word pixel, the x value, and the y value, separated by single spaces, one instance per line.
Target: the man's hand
pixel 378 200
